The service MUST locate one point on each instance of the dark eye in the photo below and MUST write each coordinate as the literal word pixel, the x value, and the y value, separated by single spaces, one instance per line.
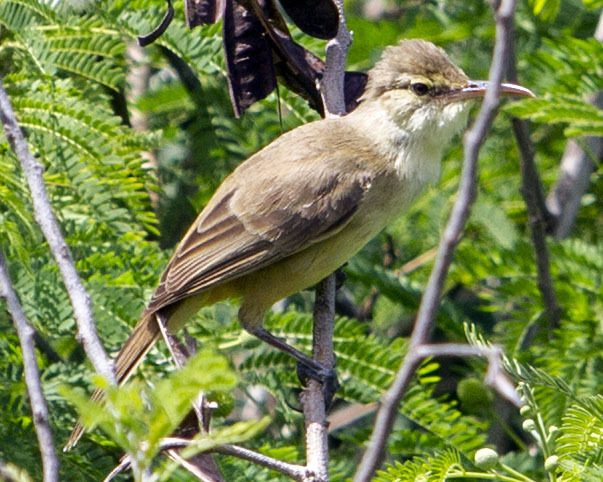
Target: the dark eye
pixel 419 88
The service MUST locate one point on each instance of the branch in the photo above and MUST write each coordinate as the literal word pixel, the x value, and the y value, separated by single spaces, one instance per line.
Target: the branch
pixel 46 219
pixel 332 82
pixel 296 472
pixel 458 218
pixel 564 200
pixel 313 399
pixel 26 333
pixel 202 465
pixel 532 193
pixel 495 376
pixel 539 217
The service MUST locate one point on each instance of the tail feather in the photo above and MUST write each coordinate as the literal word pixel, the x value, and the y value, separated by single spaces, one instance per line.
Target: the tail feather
pixel 141 340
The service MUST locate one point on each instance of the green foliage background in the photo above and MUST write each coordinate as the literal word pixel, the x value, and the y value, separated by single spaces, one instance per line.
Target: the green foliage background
pixel 124 196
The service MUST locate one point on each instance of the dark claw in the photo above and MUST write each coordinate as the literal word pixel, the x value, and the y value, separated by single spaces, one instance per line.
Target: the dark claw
pixel 340 277
pixel 326 376
pixel 295 408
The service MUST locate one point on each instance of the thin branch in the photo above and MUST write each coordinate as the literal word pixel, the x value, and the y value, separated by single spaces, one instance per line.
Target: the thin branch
pixel 202 466
pixel 332 82
pixel 539 217
pixel 46 219
pixel 296 472
pixel 458 218
pixel 313 398
pixel 565 199
pixel 536 220
pixel 26 333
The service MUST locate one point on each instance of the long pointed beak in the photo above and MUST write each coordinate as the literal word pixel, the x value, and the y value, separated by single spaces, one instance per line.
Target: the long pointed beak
pixel 478 88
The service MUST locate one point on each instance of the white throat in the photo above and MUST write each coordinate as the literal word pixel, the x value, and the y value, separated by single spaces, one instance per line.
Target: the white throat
pixel 415 144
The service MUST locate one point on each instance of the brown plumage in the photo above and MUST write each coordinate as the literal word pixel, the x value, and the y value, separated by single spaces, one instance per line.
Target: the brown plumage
pixel 302 206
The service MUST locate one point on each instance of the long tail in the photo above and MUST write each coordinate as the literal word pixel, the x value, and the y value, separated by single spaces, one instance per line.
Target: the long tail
pixel 141 340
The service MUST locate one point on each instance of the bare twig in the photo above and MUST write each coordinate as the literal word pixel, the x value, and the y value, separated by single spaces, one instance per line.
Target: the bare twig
pixel 26 333
pixel 460 212
pixel 296 472
pixel 312 399
pixel 536 217
pixel 495 376
pixel 46 219
pixel 332 82
pixel 202 466
pixel 539 217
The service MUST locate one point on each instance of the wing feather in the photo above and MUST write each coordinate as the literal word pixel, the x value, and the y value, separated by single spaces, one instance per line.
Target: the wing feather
pixel 261 214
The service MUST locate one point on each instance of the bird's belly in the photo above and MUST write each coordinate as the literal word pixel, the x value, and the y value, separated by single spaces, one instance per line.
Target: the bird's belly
pixel 307 267
pixel 259 290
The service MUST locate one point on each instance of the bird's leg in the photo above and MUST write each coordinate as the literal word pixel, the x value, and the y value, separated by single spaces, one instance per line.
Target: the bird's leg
pixel 309 368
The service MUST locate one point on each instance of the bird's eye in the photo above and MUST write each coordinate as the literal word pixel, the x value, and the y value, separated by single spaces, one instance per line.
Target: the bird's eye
pixel 419 88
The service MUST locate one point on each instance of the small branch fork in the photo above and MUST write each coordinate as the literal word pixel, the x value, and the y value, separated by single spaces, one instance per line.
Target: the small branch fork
pixel 44 216
pixel 458 218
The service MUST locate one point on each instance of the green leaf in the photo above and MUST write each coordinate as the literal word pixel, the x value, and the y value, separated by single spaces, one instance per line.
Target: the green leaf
pixel 594 4
pixel 137 418
pixel 496 221
pixel 582 117
pixel 547 10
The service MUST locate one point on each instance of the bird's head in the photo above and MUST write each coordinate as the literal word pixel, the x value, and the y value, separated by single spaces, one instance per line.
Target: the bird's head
pixel 422 90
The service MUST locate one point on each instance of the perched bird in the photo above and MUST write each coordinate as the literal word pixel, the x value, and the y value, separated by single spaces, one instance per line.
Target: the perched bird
pixel 302 206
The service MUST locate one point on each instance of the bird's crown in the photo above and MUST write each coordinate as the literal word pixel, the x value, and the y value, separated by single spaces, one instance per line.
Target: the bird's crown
pixel 414 64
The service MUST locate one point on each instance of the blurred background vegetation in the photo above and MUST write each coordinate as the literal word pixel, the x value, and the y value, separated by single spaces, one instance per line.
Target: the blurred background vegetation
pixel 134 141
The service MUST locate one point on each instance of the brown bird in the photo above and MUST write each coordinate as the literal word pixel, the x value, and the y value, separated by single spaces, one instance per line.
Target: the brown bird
pixel 302 206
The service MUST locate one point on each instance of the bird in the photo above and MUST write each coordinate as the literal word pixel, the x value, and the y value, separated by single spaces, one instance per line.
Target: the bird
pixel 306 203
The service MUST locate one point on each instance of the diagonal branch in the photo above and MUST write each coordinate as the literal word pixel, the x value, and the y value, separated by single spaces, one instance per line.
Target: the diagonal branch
pixel 26 333
pixel 539 217
pixel 295 472
pixel 44 216
pixel 460 212
pixel 531 192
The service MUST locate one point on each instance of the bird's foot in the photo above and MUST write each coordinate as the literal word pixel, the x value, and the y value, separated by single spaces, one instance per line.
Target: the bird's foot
pixel 326 376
